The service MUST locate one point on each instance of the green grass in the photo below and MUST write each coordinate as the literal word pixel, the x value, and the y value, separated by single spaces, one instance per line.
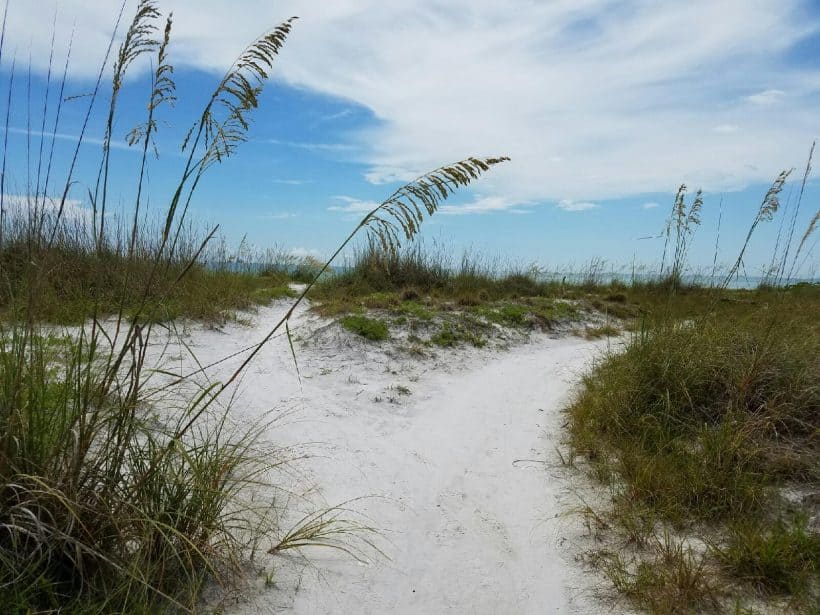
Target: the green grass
pixel 450 335
pixel 528 312
pixel 369 328
pixel 416 274
pixel 702 419
pixel 101 513
pixel 592 333
pixel 417 289
pixel 700 425
pixel 775 558
pixel 422 283
pixel 70 285
pixel 669 578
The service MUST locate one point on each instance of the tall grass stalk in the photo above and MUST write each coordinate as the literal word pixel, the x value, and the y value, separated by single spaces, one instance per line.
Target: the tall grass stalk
pixel 117 494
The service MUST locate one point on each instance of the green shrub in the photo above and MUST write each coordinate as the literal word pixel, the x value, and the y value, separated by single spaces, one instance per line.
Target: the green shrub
pixel 369 328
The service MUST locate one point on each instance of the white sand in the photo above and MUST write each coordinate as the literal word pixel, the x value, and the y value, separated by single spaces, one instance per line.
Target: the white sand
pixel 469 496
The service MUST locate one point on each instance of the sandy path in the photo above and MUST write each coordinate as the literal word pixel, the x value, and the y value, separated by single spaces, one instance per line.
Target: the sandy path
pixel 470 501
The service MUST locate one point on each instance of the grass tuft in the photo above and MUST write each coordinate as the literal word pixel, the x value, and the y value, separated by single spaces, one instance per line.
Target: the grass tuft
pixel 369 328
pixel 671 579
pixel 778 558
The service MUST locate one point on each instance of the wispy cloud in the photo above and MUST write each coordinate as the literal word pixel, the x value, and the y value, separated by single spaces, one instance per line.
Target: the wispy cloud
pixel 352 205
pixel 483 205
pixel 292 182
pixel 61 136
pixel 592 99
pixel 650 205
pixel 24 204
pixel 336 116
pixel 569 205
pixel 313 147
pixel 279 215
pixel 766 97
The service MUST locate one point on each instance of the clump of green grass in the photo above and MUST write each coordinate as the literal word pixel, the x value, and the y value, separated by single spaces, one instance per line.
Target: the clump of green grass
pixel 415 310
pixel 670 579
pixel 510 315
pixel 397 281
pixel 693 416
pixel 104 510
pixel 74 282
pixel 419 271
pixel 775 558
pixel 450 335
pixel 592 333
pixel 371 329
pixel 107 502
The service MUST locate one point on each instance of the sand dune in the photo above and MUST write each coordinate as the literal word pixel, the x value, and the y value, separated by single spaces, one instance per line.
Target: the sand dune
pixel 453 457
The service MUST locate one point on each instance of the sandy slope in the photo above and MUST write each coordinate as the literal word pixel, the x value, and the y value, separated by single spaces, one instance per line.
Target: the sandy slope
pixel 468 493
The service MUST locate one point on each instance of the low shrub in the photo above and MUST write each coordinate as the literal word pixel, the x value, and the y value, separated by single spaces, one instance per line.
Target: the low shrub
pixel 369 328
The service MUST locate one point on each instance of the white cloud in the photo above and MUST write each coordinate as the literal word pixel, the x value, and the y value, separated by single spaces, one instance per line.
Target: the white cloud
pixel 23 205
pixel 313 147
pixel 353 206
pixel 592 99
pixel 569 205
pixel 279 215
pixel 766 97
pixel 483 205
pixel 650 205
pixel 336 116
pixel 115 144
pixel 301 252
pixel 292 182
pixel 480 205
pixel 726 128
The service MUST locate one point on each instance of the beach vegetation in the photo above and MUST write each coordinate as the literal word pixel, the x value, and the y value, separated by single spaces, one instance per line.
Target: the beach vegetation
pixel 371 329
pixel 699 428
pixel 125 484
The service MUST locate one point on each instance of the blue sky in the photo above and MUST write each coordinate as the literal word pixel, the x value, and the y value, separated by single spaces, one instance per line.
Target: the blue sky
pixel 605 108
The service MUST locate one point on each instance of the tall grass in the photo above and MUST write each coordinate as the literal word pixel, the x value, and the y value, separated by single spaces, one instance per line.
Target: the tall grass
pixel 73 279
pixel 114 498
pixel 700 424
pixel 421 270
pixel 103 509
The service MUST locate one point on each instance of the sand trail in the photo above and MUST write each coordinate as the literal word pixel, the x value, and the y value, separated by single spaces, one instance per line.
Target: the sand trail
pixel 456 455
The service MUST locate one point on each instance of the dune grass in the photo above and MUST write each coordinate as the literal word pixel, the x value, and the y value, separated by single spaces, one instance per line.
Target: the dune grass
pixel 125 486
pixel 723 408
pixel 700 429
pixel 104 509
pixel 114 498
pixel 417 273
pixel 73 285
pixel 419 287
pixel 422 289
pixel 371 329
